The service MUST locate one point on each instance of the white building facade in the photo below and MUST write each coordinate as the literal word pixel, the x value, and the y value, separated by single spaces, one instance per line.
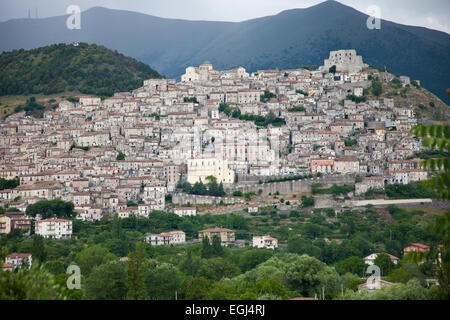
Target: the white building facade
pixel 267 242
pixel 54 228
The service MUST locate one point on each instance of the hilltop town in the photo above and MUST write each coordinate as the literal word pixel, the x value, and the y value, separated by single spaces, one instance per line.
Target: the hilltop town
pixel 218 160
pixel 146 150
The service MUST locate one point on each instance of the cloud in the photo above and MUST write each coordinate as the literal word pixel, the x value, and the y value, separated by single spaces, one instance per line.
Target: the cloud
pixel 435 23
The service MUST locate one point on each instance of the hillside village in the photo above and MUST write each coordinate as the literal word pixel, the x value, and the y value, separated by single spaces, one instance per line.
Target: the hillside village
pixel 139 147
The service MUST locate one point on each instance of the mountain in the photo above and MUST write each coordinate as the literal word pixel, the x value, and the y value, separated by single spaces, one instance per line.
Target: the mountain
pixel 57 68
pixel 286 40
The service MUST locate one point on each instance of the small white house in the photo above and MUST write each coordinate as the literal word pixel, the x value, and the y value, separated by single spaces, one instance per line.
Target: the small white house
pixel 166 238
pixel 185 211
pixel 358 91
pixel 144 210
pixel 17 260
pixel 371 258
pixel 253 209
pixel 265 242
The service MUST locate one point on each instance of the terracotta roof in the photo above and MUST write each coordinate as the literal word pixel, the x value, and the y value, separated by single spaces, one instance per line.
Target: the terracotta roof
pixel 54 220
pixel 16 255
pixel 216 230
pixel 420 245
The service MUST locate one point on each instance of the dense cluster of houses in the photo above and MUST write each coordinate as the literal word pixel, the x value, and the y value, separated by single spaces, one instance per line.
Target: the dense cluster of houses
pixel 137 146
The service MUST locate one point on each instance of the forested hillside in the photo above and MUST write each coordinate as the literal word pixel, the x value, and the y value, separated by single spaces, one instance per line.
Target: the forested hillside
pixel 89 69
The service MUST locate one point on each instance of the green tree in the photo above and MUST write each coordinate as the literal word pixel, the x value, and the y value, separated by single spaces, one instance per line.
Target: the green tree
pixel 8 184
pixel 308 276
pixel 298 109
pixel 199 188
pixel 332 70
pixel 71 294
pixel 270 118
pixel 250 259
pixel 164 282
pixel 217 268
pixel 198 288
pixel 221 192
pixel 222 107
pixel 236 113
pixel 305 275
pixel 120 156
pixel 38 250
pixel 399 275
pixel 355 265
pixel 190 264
pixel 136 269
pixel 301 246
pixel 312 230
pixel 3 253
pixel 207 250
pixel 265 288
pixel 186 186
pixel 51 209
pixel 34 284
pixel 227 111
pixel 351 281
pixel 116 227
pixel 214 189
pixel 440 256
pixel 107 282
pixel 307 201
pixel 91 257
pixel 131 203
pixel 414 272
pixel 267 96
pixel 55 267
pixel 223 290
pixel 377 88
pixel 217 249
pixel 385 263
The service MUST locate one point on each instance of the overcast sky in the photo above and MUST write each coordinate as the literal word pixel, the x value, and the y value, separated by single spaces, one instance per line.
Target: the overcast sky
pixel 432 14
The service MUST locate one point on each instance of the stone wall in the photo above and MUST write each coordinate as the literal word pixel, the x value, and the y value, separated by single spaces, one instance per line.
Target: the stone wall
pixel 289 187
pixel 382 202
pixel 184 198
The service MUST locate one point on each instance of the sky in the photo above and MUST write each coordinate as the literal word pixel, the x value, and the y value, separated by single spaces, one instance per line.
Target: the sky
pixel 433 14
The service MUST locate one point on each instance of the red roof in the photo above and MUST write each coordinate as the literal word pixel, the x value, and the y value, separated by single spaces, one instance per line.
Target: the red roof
pixel 420 245
pixel 54 220
pixel 217 230
pixel 392 257
pixel 16 255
